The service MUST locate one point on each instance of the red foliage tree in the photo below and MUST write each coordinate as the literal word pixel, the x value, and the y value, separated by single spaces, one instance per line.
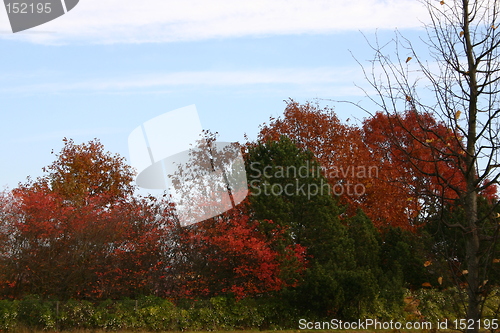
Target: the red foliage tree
pixel 363 164
pixel 79 232
pixel 231 254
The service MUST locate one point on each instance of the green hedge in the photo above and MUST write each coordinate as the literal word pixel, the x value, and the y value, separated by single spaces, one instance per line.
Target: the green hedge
pixel 148 313
pixel 218 313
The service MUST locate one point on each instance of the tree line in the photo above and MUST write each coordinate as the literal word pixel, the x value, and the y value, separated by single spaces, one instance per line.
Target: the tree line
pixel 79 232
pixel 427 219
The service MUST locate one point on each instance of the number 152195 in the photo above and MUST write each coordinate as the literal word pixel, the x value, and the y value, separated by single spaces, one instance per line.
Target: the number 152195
pixel 25 8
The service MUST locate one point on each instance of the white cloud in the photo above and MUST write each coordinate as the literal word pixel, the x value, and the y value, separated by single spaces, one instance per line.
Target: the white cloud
pixel 292 76
pixel 126 21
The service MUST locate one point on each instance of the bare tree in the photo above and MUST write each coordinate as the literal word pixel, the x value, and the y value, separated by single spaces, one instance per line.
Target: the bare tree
pixel 456 79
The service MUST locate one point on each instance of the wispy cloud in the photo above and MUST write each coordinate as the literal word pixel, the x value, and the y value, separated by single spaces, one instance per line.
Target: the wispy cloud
pixel 304 78
pixel 122 21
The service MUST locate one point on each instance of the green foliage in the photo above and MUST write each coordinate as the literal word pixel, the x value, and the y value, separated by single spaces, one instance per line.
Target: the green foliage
pixel 288 188
pixel 223 313
pixel 36 313
pixel 76 314
pixel 491 308
pixel 449 243
pixel 153 314
pixel 352 271
pixel 367 242
pixel 147 313
pixel 403 256
pixel 364 283
pixel 439 305
pixel 8 315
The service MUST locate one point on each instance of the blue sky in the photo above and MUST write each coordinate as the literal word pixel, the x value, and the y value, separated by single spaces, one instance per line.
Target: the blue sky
pixel 106 67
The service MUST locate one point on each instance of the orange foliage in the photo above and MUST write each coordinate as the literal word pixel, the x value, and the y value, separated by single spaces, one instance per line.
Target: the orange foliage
pixel 391 167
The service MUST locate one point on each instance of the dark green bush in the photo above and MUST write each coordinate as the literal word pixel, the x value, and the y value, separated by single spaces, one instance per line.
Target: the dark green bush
pixel 8 314
pixel 35 313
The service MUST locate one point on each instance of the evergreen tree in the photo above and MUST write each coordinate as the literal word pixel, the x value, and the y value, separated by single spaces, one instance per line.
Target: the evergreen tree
pixel 288 188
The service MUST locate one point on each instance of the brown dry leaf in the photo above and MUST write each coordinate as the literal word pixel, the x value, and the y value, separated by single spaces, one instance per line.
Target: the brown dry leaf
pixel 408 59
pixel 440 280
pixel 427 263
pixel 426 284
pixel 461 33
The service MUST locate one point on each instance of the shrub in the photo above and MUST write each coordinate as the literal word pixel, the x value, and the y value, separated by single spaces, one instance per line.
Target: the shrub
pixel 36 313
pixel 8 314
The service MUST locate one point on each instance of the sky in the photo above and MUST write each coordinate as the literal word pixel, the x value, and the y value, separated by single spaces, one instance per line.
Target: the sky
pixel 107 66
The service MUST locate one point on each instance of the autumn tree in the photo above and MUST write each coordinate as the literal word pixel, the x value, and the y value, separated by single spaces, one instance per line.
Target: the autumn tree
pixel 416 181
pixel 335 146
pixel 83 171
pixel 461 88
pixel 79 232
pixel 358 162
pixel 231 254
pixel 341 155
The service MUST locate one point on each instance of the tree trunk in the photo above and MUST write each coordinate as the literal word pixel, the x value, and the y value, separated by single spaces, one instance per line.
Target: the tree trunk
pixel 472 235
pixel 473 266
